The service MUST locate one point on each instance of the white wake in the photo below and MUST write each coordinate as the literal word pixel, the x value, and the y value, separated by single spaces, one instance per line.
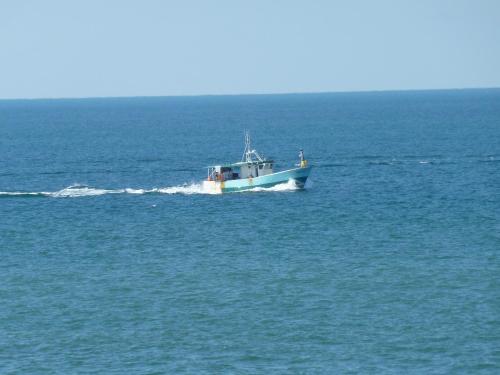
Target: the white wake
pixel 75 191
pixel 290 185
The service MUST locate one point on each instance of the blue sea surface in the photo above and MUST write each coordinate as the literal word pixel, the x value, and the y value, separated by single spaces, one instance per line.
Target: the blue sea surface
pixel 112 260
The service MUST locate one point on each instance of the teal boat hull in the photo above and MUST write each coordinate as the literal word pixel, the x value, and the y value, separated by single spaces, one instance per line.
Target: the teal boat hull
pixel 298 175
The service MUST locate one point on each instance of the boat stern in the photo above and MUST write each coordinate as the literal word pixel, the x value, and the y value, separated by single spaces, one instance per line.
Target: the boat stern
pixel 213 187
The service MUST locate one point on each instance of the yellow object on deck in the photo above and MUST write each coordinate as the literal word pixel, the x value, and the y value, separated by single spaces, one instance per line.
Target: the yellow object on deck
pixel 303 163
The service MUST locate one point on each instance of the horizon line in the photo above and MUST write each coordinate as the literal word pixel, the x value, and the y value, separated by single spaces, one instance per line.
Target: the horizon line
pixel 252 94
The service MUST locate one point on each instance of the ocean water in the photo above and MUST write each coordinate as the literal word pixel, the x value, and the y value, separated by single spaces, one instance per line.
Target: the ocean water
pixel 113 260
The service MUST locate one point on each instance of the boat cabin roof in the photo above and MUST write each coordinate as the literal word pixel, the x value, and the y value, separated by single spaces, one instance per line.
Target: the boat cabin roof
pixel 240 163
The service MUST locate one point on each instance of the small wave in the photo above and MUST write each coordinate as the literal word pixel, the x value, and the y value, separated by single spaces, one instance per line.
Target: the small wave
pixel 149 160
pixel 53 173
pixel 20 194
pixel 367 157
pixel 185 189
pixel 330 165
pixel 430 156
pixel 136 191
pixel 490 159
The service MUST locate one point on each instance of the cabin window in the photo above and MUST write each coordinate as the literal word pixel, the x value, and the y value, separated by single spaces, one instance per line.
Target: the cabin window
pixel 260 166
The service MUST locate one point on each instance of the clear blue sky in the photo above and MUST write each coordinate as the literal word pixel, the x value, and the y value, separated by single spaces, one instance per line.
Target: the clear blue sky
pixel 134 48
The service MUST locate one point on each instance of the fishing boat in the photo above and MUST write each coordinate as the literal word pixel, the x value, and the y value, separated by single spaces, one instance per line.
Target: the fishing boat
pixel 253 171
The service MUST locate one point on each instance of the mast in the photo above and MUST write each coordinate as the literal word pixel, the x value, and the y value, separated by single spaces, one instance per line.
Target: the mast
pixel 248 153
